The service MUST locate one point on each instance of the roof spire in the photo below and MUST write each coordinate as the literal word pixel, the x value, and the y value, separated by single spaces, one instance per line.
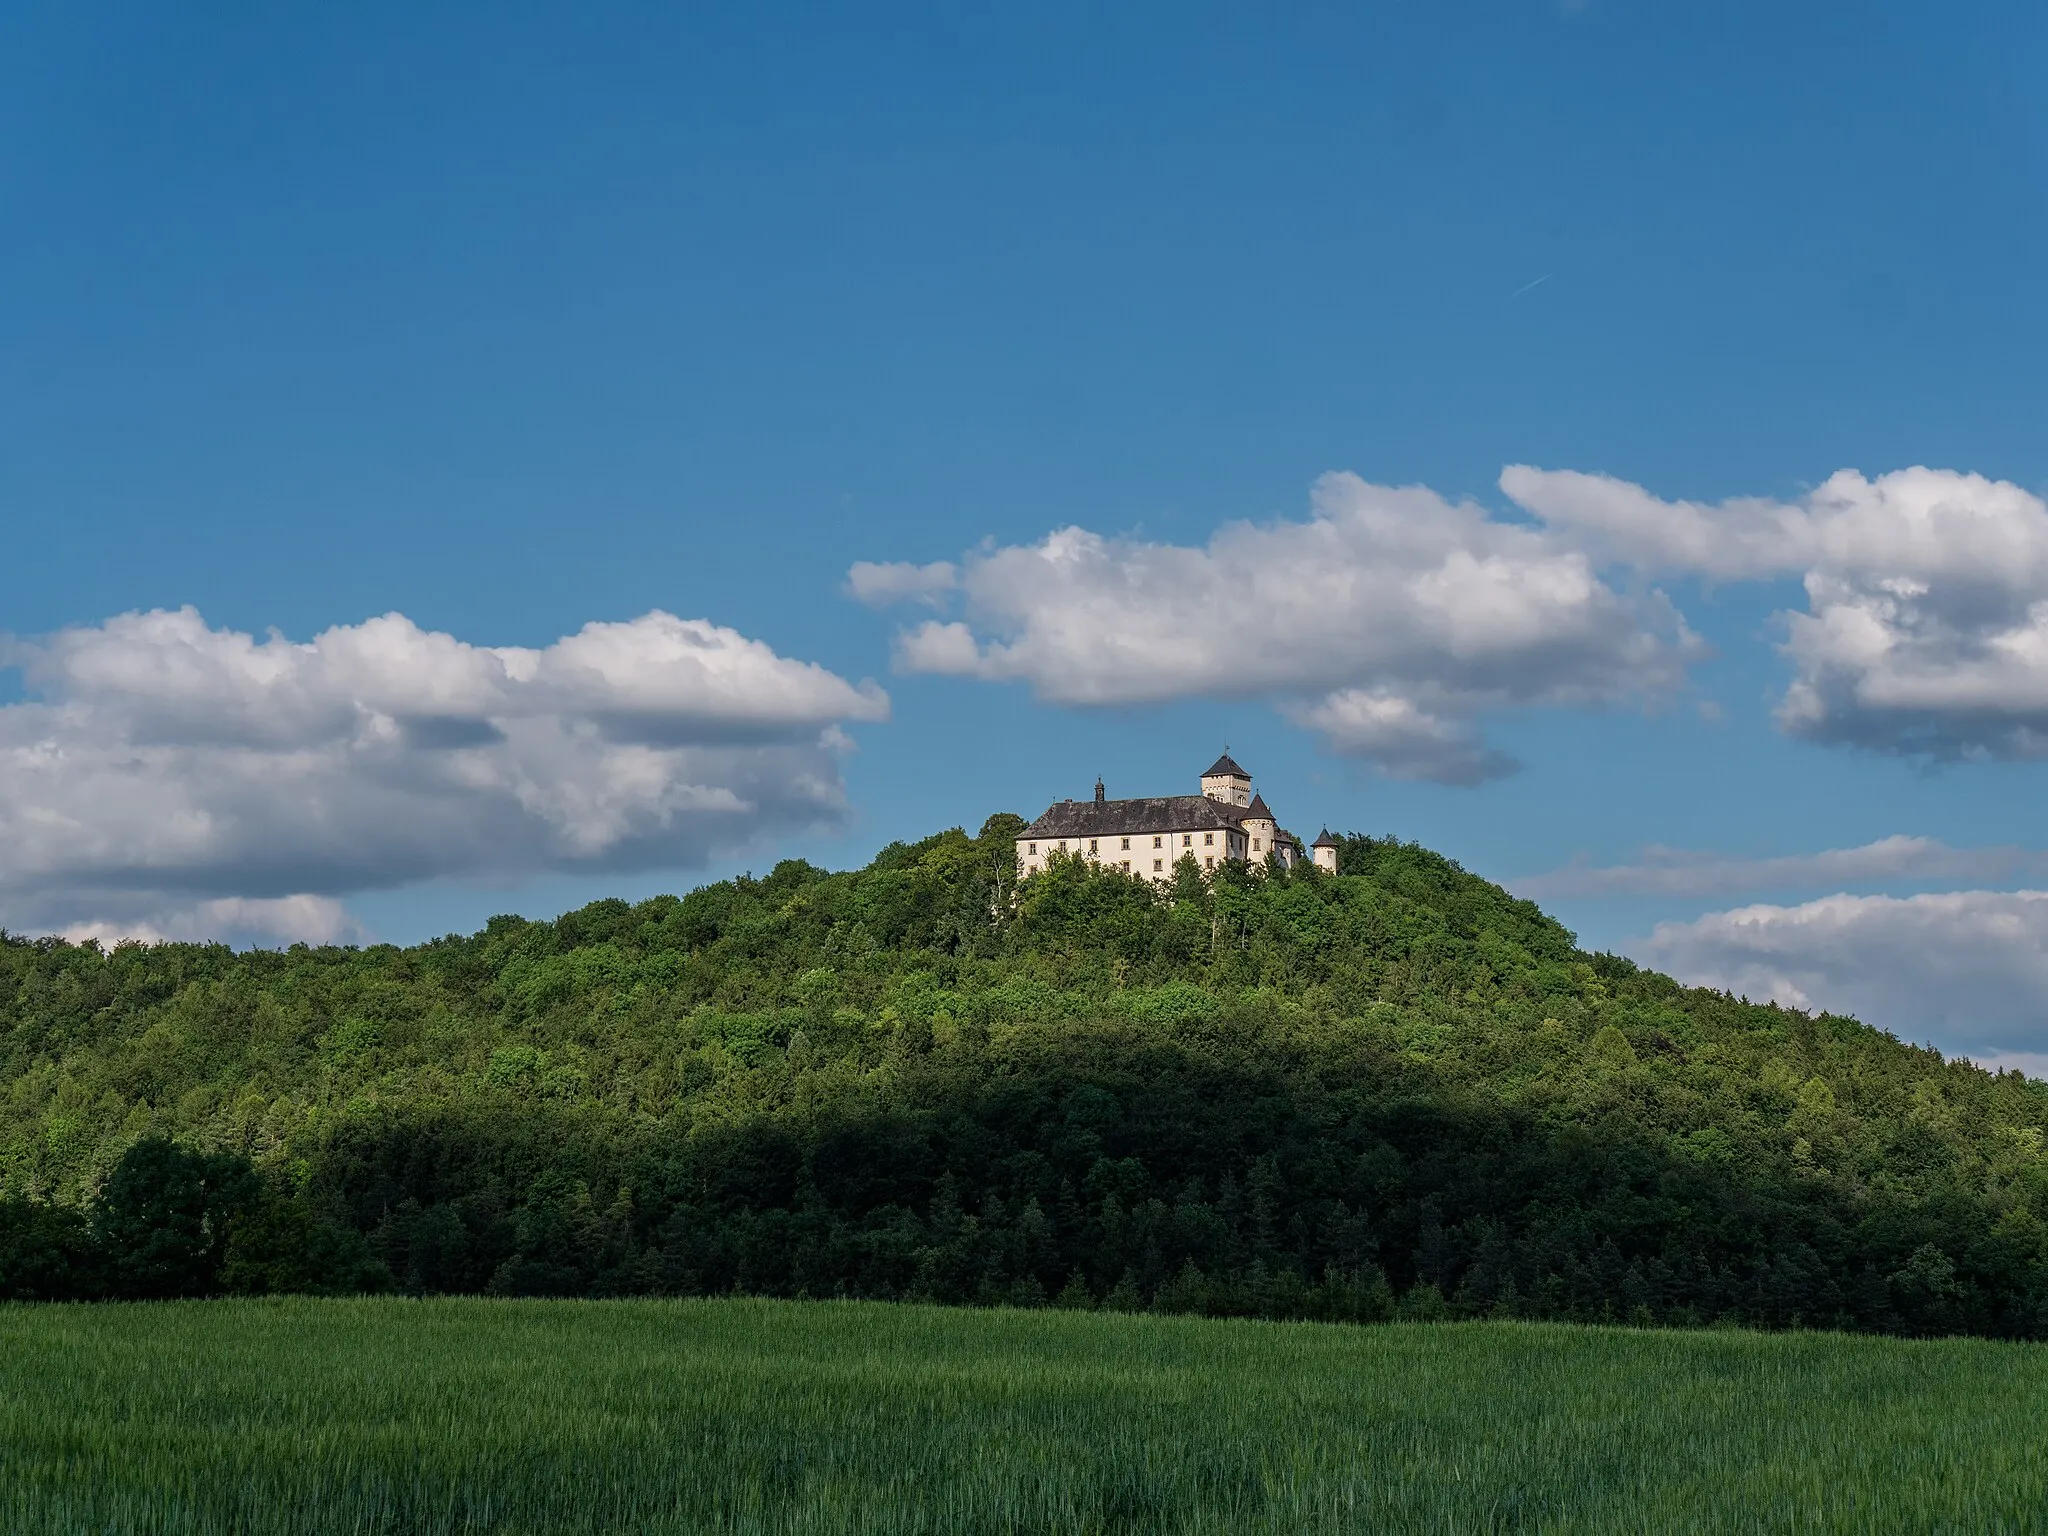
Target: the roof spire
pixel 1226 767
pixel 1098 789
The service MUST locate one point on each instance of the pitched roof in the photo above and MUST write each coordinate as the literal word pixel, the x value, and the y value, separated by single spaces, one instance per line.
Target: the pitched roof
pixel 1326 841
pixel 1224 765
pixel 1258 809
pixel 1111 818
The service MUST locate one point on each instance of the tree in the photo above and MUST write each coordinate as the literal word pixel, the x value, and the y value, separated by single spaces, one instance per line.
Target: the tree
pixel 47 1253
pixel 279 1244
pixel 164 1216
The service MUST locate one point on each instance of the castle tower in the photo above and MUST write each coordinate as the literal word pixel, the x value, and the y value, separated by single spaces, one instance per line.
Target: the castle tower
pixel 1324 851
pixel 1227 782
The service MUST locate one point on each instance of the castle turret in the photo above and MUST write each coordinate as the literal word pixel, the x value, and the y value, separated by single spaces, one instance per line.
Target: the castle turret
pixel 1324 851
pixel 1227 782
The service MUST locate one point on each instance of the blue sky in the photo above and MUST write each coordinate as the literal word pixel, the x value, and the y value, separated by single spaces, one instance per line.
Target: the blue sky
pixel 516 320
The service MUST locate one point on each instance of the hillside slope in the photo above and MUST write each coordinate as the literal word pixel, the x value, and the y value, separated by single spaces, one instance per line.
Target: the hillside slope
pixel 1272 1095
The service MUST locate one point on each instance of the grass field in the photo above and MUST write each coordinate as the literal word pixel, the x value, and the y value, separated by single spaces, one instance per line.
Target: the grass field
pixel 458 1415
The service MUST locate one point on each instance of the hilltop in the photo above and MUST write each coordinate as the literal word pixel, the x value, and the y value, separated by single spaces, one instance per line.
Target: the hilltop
pixel 1397 1088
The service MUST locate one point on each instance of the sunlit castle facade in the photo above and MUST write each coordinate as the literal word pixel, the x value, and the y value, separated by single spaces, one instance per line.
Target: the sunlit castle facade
pixel 1148 837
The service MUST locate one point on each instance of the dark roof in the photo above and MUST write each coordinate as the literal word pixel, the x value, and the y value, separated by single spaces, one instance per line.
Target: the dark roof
pixel 1258 808
pixel 1224 764
pixel 1109 818
pixel 1326 841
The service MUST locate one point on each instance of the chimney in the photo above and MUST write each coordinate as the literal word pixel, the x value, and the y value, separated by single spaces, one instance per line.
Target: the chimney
pixel 1098 792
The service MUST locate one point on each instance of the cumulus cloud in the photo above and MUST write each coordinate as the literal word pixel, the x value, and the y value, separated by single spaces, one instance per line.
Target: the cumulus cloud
pixel 1623 524
pixel 1402 737
pixel 938 647
pixel 1388 620
pixel 880 583
pixel 1964 969
pixel 162 767
pixel 1926 626
pixel 1393 618
pixel 1683 872
pixel 236 920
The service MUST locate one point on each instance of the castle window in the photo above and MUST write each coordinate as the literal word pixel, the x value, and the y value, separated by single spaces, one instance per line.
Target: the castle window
pixel 1158 842
pixel 1034 850
pixel 1210 861
pixel 1255 845
pixel 1187 839
pixel 1158 865
pixel 1127 849
pixel 1091 845
pixel 1063 845
pixel 1127 866
pixel 1208 839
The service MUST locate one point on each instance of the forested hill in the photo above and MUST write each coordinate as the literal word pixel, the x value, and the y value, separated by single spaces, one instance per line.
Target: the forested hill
pixel 1396 1088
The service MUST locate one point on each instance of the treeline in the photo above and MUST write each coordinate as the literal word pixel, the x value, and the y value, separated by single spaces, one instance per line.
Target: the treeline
pixel 1396 1091
pixel 170 1222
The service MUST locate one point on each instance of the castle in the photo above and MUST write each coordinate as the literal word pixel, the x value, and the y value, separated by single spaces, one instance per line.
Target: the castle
pixel 1147 837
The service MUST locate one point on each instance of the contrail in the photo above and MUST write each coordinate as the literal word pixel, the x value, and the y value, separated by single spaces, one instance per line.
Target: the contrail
pixel 1527 286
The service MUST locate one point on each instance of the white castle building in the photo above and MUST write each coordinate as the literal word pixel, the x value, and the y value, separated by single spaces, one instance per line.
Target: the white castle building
pixel 1147 837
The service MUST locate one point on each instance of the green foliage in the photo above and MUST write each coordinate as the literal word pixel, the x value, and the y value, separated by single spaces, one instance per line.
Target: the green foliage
pixel 47 1253
pixel 573 1418
pixel 1398 1089
pixel 170 1222
pixel 164 1215
pixel 281 1245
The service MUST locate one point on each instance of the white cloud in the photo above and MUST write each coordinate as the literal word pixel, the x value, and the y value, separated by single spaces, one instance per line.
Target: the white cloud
pixel 165 767
pixel 1939 525
pixel 1405 740
pixel 879 584
pixel 948 649
pixel 1926 628
pixel 1683 872
pixel 1388 620
pixel 1624 524
pixel 237 920
pixel 1964 969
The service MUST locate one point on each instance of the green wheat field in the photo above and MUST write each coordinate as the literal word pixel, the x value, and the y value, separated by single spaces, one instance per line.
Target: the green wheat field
pixel 371 1416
